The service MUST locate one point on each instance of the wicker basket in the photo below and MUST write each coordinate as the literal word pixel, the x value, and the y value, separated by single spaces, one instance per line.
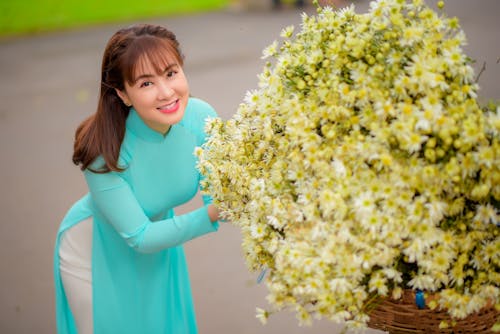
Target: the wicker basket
pixel 403 317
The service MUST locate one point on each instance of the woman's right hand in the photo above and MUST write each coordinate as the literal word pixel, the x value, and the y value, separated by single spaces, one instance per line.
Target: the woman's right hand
pixel 213 213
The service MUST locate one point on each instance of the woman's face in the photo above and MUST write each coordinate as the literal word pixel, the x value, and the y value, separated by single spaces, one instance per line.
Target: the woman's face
pixel 160 99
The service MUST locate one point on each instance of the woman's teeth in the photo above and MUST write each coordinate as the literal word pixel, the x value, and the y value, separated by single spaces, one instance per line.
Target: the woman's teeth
pixel 171 107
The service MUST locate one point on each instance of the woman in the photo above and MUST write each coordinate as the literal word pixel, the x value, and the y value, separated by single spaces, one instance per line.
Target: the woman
pixel 119 261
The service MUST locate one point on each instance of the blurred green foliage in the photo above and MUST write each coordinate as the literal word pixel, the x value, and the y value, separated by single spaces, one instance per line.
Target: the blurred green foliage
pixel 21 17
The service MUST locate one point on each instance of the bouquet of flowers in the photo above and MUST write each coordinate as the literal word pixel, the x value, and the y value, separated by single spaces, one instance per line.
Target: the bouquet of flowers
pixel 363 165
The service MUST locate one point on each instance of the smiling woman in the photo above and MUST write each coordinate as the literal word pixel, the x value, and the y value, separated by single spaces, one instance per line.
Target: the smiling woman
pixel 156 86
pixel 32 16
pixel 119 263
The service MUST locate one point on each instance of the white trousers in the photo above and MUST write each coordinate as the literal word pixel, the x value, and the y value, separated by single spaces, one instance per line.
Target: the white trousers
pixel 75 263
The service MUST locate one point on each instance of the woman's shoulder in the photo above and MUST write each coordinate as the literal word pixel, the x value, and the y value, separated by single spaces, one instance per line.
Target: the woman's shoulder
pixel 196 115
pixel 198 108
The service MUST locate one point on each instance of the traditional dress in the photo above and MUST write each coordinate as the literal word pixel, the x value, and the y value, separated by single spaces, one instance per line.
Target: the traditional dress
pixel 140 281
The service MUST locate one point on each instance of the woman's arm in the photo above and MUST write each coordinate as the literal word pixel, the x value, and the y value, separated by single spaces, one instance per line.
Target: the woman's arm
pixel 115 200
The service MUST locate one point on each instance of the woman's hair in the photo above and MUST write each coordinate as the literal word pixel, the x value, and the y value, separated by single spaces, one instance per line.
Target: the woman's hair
pixel 127 52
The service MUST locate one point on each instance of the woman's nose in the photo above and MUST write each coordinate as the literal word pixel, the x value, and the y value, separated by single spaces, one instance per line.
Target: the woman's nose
pixel 165 90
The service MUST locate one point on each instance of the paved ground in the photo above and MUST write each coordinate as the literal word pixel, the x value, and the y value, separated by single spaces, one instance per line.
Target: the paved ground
pixel 49 84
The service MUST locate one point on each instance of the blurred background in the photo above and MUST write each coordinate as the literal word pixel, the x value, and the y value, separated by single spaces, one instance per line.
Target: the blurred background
pixel 50 53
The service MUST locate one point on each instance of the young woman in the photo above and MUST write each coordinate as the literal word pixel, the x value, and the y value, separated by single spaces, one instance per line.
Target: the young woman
pixel 119 262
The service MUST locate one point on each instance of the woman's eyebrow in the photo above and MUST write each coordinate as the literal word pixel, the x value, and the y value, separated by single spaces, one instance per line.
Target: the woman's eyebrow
pixel 147 75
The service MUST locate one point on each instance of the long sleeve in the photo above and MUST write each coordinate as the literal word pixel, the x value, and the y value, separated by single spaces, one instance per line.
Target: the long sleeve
pixel 115 200
pixel 133 213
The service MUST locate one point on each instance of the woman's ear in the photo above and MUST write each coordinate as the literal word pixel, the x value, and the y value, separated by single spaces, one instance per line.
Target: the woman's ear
pixel 124 97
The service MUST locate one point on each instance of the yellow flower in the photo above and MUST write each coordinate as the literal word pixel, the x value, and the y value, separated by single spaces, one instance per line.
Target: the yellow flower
pixel 362 164
pixel 262 315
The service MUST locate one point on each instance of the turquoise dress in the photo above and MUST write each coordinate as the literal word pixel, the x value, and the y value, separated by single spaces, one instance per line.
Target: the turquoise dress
pixel 140 279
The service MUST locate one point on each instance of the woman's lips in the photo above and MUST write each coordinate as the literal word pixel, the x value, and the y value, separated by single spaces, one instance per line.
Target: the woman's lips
pixel 170 108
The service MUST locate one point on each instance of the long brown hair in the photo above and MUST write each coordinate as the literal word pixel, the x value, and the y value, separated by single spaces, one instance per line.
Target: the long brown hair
pixel 102 133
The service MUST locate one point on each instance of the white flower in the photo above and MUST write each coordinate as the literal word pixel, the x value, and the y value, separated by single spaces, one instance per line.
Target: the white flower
pixel 423 282
pixel 270 51
pixel 262 315
pixel 340 285
pixel 287 32
pixel 364 204
pixel 274 222
pixel 363 165
pixel 487 214
pixel 339 168
pixel 437 210
pixel 257 230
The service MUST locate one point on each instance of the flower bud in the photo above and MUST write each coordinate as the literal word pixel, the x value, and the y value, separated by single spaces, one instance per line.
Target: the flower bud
pixel 430 154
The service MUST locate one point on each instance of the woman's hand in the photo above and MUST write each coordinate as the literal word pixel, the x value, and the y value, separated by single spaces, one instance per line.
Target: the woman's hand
pixel 213 213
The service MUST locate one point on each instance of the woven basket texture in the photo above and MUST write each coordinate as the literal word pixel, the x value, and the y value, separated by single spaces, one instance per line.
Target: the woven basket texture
pixel 404 317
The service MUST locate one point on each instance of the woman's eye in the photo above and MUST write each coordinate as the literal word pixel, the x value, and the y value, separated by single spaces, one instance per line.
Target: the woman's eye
pixel 146 84
pixel 171 74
